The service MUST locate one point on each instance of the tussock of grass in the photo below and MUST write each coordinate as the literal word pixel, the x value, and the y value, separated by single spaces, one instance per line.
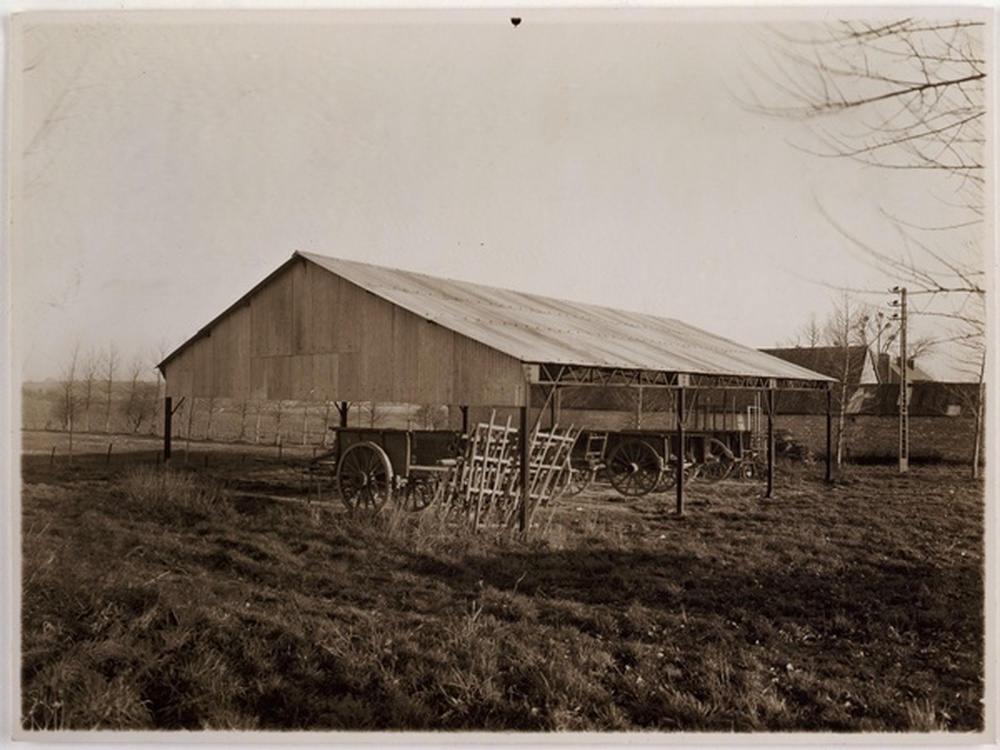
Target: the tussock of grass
pixel 169 496
pixel 160 599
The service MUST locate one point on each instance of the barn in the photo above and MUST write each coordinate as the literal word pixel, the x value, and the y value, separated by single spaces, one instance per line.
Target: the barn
pixel 322 328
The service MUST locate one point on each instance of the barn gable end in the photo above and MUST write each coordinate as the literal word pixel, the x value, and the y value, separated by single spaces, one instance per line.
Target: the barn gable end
pixel 307 334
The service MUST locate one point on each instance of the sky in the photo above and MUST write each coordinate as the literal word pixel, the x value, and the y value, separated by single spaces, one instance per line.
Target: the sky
pixel 162 165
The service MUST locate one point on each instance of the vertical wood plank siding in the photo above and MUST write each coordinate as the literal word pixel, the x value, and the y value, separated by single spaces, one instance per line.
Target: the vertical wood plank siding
pixel 308 334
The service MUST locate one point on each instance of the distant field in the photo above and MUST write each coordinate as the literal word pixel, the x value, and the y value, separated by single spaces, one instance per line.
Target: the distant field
pixel 196 598
pixel 291 423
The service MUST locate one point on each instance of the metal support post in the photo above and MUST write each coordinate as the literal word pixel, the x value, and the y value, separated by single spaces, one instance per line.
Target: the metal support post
pixel 342 408
pixel 770 442
pixel 679 450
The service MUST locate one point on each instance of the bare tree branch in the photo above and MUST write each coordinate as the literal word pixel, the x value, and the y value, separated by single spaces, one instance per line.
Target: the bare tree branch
pixel 904 94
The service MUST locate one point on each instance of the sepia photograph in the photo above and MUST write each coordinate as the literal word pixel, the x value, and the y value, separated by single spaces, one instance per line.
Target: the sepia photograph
pixel 501 374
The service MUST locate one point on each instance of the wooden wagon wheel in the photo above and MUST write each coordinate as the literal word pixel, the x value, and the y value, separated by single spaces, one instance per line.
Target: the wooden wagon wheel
pixel 634 468
pixel 576 477
pixel 718 462
pixel 364 477
pixel 580 478
pixel 419 494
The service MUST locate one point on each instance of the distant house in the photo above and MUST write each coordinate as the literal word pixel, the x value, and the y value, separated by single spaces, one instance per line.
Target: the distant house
pixel 942 415
pixel 926 399
pixel 851 366
pixel 887 370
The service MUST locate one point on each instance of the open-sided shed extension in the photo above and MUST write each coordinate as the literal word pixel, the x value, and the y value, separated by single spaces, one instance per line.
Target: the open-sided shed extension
pixel 321 328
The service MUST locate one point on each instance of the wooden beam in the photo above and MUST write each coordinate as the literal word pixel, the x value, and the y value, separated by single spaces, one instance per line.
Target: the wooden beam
pixel 523 467
pixel 168 415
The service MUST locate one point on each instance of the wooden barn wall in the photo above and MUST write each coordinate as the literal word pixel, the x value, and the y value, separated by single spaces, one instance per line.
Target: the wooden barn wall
pixel 309 335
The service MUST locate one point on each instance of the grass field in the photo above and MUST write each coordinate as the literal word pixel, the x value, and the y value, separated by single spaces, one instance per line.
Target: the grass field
pixel 216 596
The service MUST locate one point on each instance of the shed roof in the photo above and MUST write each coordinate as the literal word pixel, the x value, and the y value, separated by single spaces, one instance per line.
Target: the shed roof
pixel 536 329
pixel 546 331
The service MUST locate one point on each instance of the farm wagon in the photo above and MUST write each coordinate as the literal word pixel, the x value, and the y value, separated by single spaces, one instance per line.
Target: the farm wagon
pixel 326 329
pixel 476 474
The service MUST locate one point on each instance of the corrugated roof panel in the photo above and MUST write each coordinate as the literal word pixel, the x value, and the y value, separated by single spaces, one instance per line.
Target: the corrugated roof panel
pixel 537 329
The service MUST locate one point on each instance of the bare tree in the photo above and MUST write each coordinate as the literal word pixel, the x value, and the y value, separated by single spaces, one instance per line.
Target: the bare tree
pixel 326 421
pixel 902 94
pixel 111 362
pixel 844 330
pixel 160 352
pixel 69 400
pixel 211 412
pixel 431 416
pixel 305 423
pixel 810 333
pixel 279 418
pixel 88 379
pixel 372 412
pixel 140 407
pixel 242 406
pixel 130 409
pixel 913 90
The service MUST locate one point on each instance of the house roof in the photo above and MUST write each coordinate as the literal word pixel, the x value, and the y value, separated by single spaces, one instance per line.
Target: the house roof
pixel 543 330
pixel 846 364
pixel 888 368
pixel 536 329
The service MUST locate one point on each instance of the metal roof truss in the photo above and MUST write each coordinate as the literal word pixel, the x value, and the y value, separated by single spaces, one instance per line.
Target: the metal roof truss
pixel 555 374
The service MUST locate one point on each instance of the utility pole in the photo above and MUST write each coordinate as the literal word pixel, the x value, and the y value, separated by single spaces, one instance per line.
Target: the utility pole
pixel 904 410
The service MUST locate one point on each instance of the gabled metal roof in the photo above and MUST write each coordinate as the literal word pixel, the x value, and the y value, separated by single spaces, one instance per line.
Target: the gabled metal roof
pixel 542 330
